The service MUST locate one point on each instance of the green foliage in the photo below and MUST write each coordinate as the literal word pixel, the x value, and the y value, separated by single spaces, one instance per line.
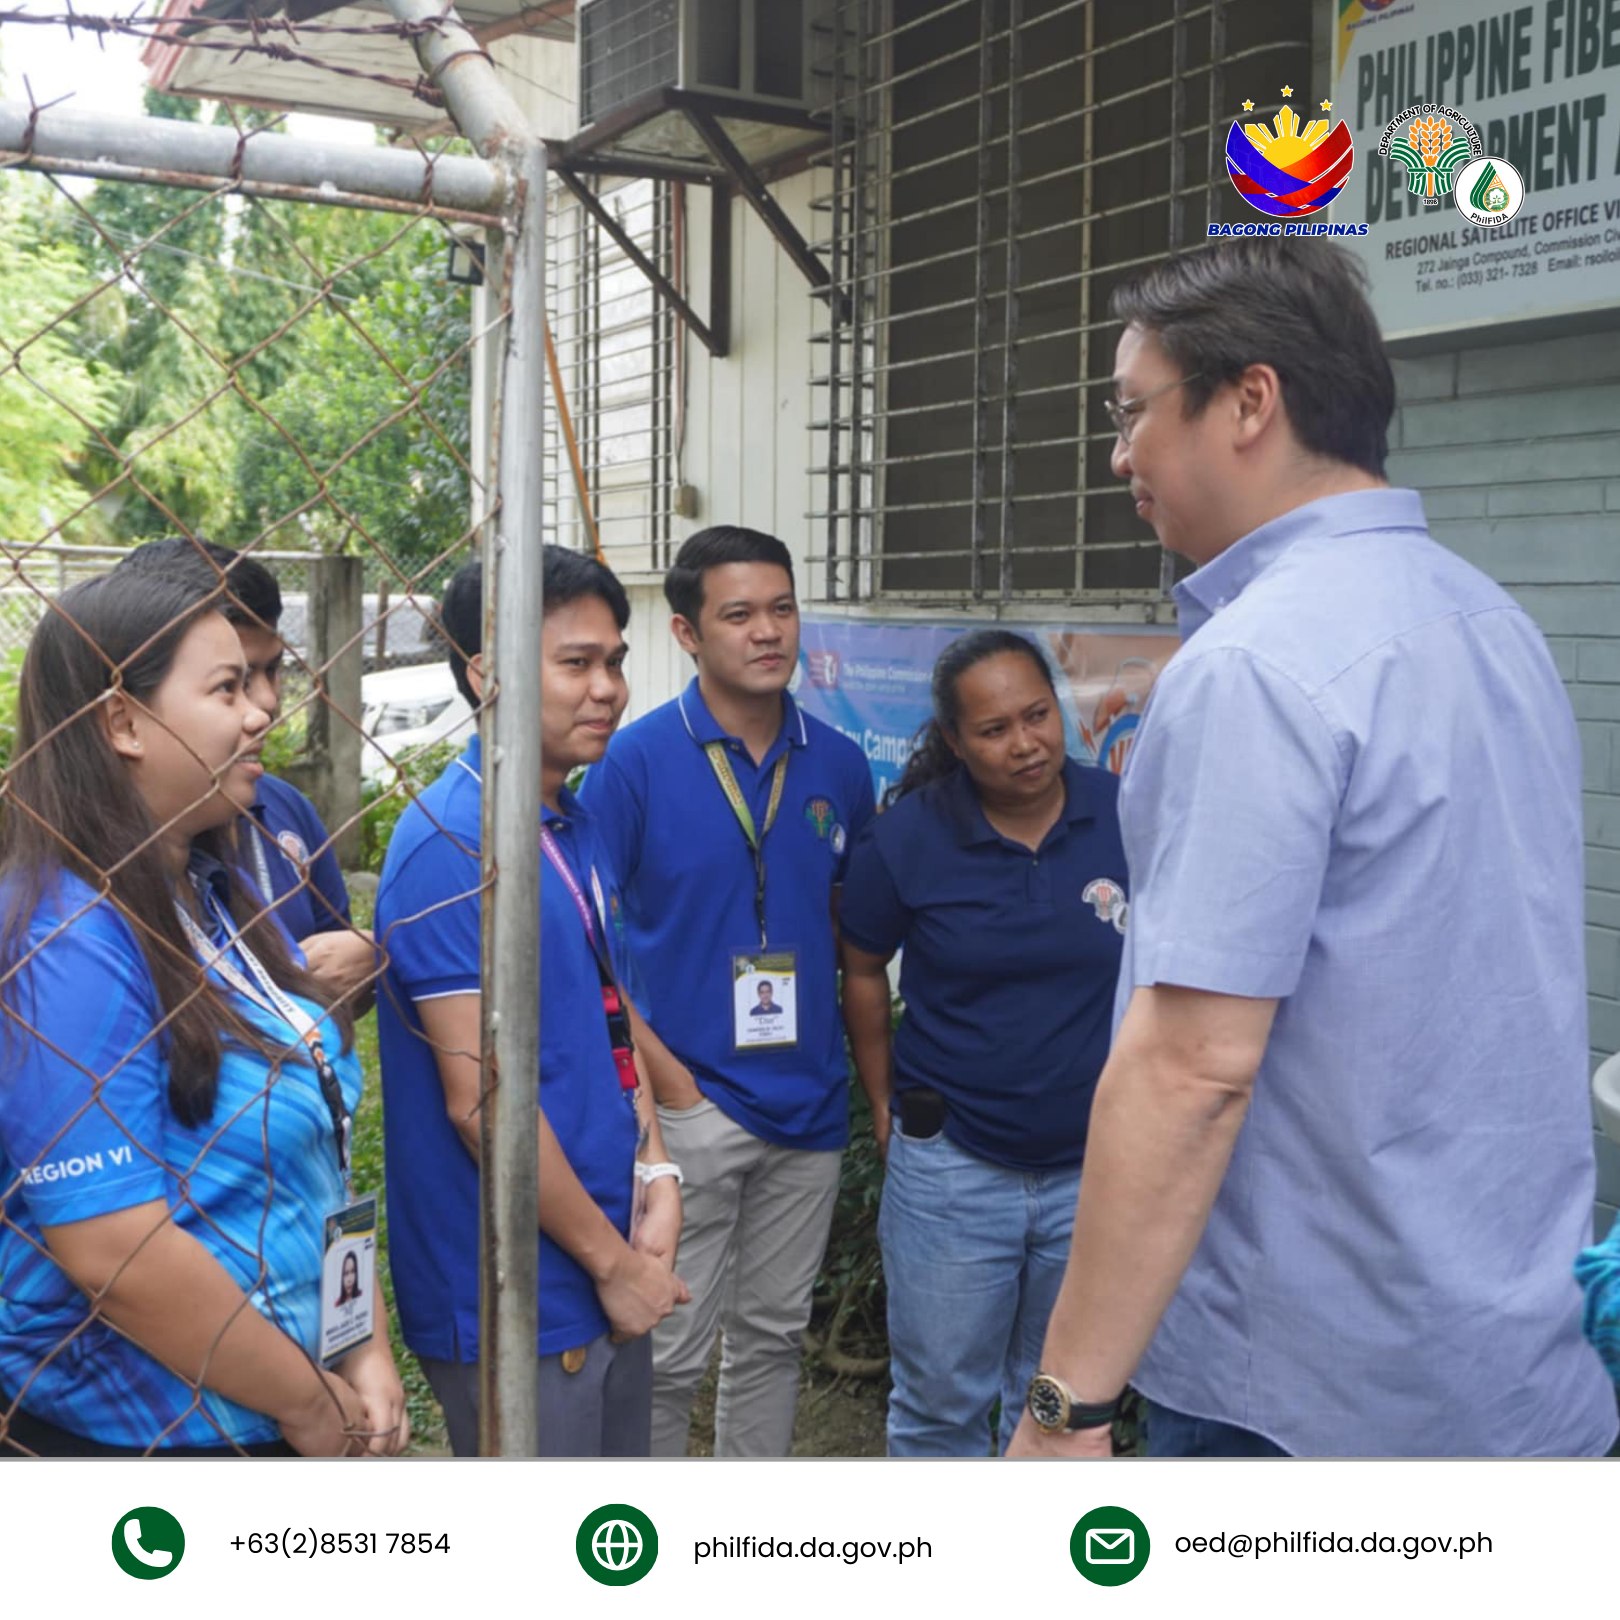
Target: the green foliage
pixel 383 806
pixel 10 668
pixel 49 386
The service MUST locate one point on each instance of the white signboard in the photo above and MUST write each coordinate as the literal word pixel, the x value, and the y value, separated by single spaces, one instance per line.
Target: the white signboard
pixel 1540 87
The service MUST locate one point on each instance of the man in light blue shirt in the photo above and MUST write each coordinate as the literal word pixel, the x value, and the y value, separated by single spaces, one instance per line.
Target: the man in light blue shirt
pixel 1340 1161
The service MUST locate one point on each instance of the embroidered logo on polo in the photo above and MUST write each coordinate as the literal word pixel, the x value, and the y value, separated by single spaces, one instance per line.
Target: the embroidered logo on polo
pixel 293 847
pixel 1107 899
pixel 819 813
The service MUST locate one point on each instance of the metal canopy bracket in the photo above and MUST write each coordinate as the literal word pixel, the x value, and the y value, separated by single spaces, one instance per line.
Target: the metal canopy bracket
pixel 716 338
pixel 595 151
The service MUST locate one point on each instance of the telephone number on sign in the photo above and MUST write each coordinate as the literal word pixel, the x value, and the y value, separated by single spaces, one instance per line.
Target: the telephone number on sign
pixel 312 1543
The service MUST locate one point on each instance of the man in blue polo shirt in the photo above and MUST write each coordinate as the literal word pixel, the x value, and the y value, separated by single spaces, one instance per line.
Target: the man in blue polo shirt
pixel 727 814
pixel 285 847
pixel 603 1283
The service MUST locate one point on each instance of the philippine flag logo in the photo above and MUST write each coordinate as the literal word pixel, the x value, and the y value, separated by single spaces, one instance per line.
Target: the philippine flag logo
pixel 1285 171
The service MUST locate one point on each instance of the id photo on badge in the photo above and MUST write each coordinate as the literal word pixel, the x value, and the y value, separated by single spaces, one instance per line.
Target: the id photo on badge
pixel 764 992
pixel 348 1294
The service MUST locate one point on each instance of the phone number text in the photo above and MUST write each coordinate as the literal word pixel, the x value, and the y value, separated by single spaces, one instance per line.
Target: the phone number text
pixel 291 1542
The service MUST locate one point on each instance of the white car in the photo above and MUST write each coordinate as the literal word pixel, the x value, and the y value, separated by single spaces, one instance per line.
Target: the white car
pixel 405 710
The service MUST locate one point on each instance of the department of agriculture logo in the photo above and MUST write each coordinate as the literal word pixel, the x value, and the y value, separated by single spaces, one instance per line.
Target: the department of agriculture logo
pixel 1285 170
pixel 1431 142
pixel 1490 191
pixel 1109 1546
pixel 616 1544
pixel 148 1543
pixel 821 815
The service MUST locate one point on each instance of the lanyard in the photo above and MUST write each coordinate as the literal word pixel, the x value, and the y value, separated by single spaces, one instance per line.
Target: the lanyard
pixel 269 997
pixel 745 819
pixel 554 854
pixel 613 1000
pixel 256 836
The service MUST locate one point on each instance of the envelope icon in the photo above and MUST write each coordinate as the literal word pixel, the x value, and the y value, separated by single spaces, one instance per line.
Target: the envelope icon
pixel 1110 1546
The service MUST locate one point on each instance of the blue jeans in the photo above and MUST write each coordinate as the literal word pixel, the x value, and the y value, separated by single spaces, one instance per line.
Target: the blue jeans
pixel 1176 1434
pixel 973 1255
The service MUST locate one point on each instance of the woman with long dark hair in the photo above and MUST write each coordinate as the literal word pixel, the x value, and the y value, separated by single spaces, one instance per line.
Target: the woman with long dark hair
pixel 998 870
pixel 174 1090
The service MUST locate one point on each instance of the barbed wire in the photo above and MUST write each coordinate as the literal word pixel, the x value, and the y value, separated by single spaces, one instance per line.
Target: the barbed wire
pixel 189 31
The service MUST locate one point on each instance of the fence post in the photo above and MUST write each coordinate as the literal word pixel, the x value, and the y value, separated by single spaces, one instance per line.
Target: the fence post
pixel 509 1185
pixel 331 774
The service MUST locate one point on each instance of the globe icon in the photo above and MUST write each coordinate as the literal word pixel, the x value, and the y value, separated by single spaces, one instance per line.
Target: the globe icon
pixel 617 1544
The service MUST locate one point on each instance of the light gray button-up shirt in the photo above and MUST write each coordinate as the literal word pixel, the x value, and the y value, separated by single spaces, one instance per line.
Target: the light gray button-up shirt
pixel 1357 789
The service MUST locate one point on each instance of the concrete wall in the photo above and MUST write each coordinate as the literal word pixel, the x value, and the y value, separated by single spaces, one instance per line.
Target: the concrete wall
pixel 1516 448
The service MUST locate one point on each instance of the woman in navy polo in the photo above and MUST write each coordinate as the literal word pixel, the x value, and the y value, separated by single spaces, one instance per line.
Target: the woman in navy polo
pixel 998 871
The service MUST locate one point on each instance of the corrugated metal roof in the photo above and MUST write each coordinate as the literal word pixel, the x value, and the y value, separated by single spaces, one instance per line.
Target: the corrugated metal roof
pixel 178 66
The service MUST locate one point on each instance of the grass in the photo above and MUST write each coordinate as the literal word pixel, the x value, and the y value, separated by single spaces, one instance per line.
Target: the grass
pixel 427 1422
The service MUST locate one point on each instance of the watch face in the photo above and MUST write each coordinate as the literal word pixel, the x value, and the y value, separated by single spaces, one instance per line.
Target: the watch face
pixel 1047 1403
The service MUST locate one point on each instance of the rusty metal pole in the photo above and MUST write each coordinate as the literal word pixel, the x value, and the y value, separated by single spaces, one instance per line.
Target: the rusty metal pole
pixel 510 730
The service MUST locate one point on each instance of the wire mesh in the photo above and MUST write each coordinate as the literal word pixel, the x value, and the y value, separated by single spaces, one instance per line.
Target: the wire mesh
pixel 295 383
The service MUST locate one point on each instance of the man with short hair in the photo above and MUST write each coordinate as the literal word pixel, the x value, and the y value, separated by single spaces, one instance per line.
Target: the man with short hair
pixel 604 1280
pixel 1340 1159
pixel 766 1006
pixel 285 847
pixel 728 814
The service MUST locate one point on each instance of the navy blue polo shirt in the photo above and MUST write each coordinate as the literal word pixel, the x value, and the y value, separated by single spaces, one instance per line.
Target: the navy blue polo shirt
pixel 1010 963
pixel 285 841
pixel 687 877
pixel 428 919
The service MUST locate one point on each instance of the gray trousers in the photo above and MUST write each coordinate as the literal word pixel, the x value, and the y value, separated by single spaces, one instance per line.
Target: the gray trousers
pixel 754 1229
pixel 603 1410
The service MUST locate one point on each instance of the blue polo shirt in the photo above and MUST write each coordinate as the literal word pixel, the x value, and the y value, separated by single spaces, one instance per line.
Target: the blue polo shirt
pixel 86 1130
pixel 285 841
pixel 1356 791
pixel 1010 960
pixel 428 919
pixel 688 884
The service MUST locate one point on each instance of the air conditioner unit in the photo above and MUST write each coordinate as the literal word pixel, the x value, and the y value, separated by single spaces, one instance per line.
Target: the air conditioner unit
pixel 755 51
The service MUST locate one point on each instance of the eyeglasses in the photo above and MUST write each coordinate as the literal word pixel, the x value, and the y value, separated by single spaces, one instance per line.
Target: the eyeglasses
pixel 1123 412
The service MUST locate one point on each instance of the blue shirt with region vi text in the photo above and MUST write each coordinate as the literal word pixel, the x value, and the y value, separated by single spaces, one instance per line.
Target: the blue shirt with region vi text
pixel 687 876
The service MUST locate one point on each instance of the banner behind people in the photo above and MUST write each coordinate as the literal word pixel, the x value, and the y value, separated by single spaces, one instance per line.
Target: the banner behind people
pixel 870 680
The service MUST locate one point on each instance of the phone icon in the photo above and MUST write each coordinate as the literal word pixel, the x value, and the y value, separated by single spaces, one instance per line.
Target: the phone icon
pixel 148 1543
pixel 161 1559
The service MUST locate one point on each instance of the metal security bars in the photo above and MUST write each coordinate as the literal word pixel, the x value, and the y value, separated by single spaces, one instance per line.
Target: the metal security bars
pixel 995 167
pixel 616 344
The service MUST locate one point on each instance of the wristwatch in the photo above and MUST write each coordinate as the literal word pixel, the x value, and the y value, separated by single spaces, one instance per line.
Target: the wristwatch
pixel 1055 1410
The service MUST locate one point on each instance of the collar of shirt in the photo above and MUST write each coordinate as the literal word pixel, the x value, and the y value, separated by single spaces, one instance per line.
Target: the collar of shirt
pixel 209 880
pixel 703 728
pixel 1201 595
pixel 568 807
pixel 966 813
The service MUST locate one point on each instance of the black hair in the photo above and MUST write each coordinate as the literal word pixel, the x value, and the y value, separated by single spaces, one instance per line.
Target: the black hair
pixel 566 576
pixel 1299 307
pixel 764 984
pixel 931 757
pixel 240 586
pixel 714 548
pixel 71 805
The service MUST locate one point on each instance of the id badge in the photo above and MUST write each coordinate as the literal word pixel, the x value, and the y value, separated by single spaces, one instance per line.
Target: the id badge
pixel 348 1278
pixel 765 1000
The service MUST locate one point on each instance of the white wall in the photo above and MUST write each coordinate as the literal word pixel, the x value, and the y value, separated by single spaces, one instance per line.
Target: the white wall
pixel 747 443
pixel 746 446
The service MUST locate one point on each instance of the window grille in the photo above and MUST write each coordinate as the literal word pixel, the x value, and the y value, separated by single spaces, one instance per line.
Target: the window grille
pixel 996 167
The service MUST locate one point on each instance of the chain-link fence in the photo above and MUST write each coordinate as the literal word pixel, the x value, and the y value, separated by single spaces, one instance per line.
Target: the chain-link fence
pixel 191 359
